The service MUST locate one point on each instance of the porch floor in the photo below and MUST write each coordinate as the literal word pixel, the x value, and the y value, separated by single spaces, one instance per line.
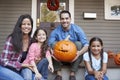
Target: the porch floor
pixel 112 73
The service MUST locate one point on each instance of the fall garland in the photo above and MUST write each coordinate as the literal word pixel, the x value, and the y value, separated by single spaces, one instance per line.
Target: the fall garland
pixel 53 4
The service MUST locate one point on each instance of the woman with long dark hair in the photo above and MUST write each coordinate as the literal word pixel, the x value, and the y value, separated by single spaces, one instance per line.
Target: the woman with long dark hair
pixel 15 49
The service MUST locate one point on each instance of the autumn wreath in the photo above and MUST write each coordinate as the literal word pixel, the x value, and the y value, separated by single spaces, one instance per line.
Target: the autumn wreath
pixel 53 4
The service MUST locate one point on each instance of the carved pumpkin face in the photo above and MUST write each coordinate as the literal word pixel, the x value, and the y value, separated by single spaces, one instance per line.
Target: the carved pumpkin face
pixel 110 54
pixel 65 50
pixel 117 59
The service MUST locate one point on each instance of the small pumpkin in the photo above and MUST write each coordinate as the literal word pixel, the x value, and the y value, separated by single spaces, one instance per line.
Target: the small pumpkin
pixel 65 50
pixel 110 54
pixel 117 58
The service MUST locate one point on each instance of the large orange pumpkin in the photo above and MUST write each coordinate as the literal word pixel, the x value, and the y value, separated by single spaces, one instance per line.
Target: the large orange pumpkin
pixel 117 58
pixel 65 50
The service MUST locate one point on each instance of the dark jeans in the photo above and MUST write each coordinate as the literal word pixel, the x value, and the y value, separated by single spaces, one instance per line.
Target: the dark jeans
pixel 9 74
pixel 74 65
pixel 42 67
pixel 92 77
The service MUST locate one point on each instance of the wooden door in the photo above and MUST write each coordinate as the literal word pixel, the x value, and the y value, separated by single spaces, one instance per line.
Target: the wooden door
pixel 47 18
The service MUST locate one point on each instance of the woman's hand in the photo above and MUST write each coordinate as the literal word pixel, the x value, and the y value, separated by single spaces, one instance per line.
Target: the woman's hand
pixel 26 65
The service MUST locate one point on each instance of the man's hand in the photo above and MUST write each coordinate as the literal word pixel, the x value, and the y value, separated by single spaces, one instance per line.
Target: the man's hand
pixel 52 54
pixel 77 55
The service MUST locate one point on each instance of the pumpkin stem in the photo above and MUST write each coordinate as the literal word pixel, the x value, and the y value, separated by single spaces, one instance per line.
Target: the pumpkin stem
pixel 67 38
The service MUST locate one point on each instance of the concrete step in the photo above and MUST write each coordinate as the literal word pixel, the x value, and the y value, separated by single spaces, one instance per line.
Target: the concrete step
pixel 65 74
pixel 112 73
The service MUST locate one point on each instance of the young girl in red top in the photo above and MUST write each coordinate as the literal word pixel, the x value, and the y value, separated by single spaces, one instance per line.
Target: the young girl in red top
pixel 38 59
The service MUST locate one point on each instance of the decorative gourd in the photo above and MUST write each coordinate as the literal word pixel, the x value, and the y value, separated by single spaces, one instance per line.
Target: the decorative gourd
pixel 117 58
pixel 65 50
pixel 110 54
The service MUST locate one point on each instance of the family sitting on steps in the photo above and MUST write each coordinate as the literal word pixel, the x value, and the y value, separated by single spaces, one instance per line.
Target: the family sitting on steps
pixel 26 58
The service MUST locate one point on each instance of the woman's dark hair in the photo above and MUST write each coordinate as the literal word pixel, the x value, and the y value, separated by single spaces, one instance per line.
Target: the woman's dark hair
pixel 89 51
pixel 44 46
pixel 65 11
pixel 17 34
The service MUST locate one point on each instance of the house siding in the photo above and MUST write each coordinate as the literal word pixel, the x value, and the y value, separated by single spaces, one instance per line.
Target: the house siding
pixel 10 10
pixel 107 30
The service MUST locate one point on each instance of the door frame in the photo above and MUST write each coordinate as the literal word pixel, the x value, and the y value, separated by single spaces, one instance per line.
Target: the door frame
pixel 34 12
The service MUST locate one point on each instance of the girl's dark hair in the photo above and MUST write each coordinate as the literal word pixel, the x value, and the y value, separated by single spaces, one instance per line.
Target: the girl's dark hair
pixel 65 11
pixel 17 34
pixel 89 51
pixel 44 46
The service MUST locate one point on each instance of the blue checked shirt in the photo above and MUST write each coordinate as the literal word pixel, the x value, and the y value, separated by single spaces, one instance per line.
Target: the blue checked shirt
pixel 75 32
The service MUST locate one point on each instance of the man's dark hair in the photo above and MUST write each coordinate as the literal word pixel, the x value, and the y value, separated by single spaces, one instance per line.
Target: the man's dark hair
pixel 65 11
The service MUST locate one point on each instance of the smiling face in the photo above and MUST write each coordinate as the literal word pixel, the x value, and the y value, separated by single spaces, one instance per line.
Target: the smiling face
pixel 41 36
pixel 96 47
pixel 26 26
pixel 65 20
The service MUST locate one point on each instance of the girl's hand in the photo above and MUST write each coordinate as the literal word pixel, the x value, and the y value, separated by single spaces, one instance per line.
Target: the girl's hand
pixel 50 67
pixel 98 75
pixel 38 76
pixel 101 74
